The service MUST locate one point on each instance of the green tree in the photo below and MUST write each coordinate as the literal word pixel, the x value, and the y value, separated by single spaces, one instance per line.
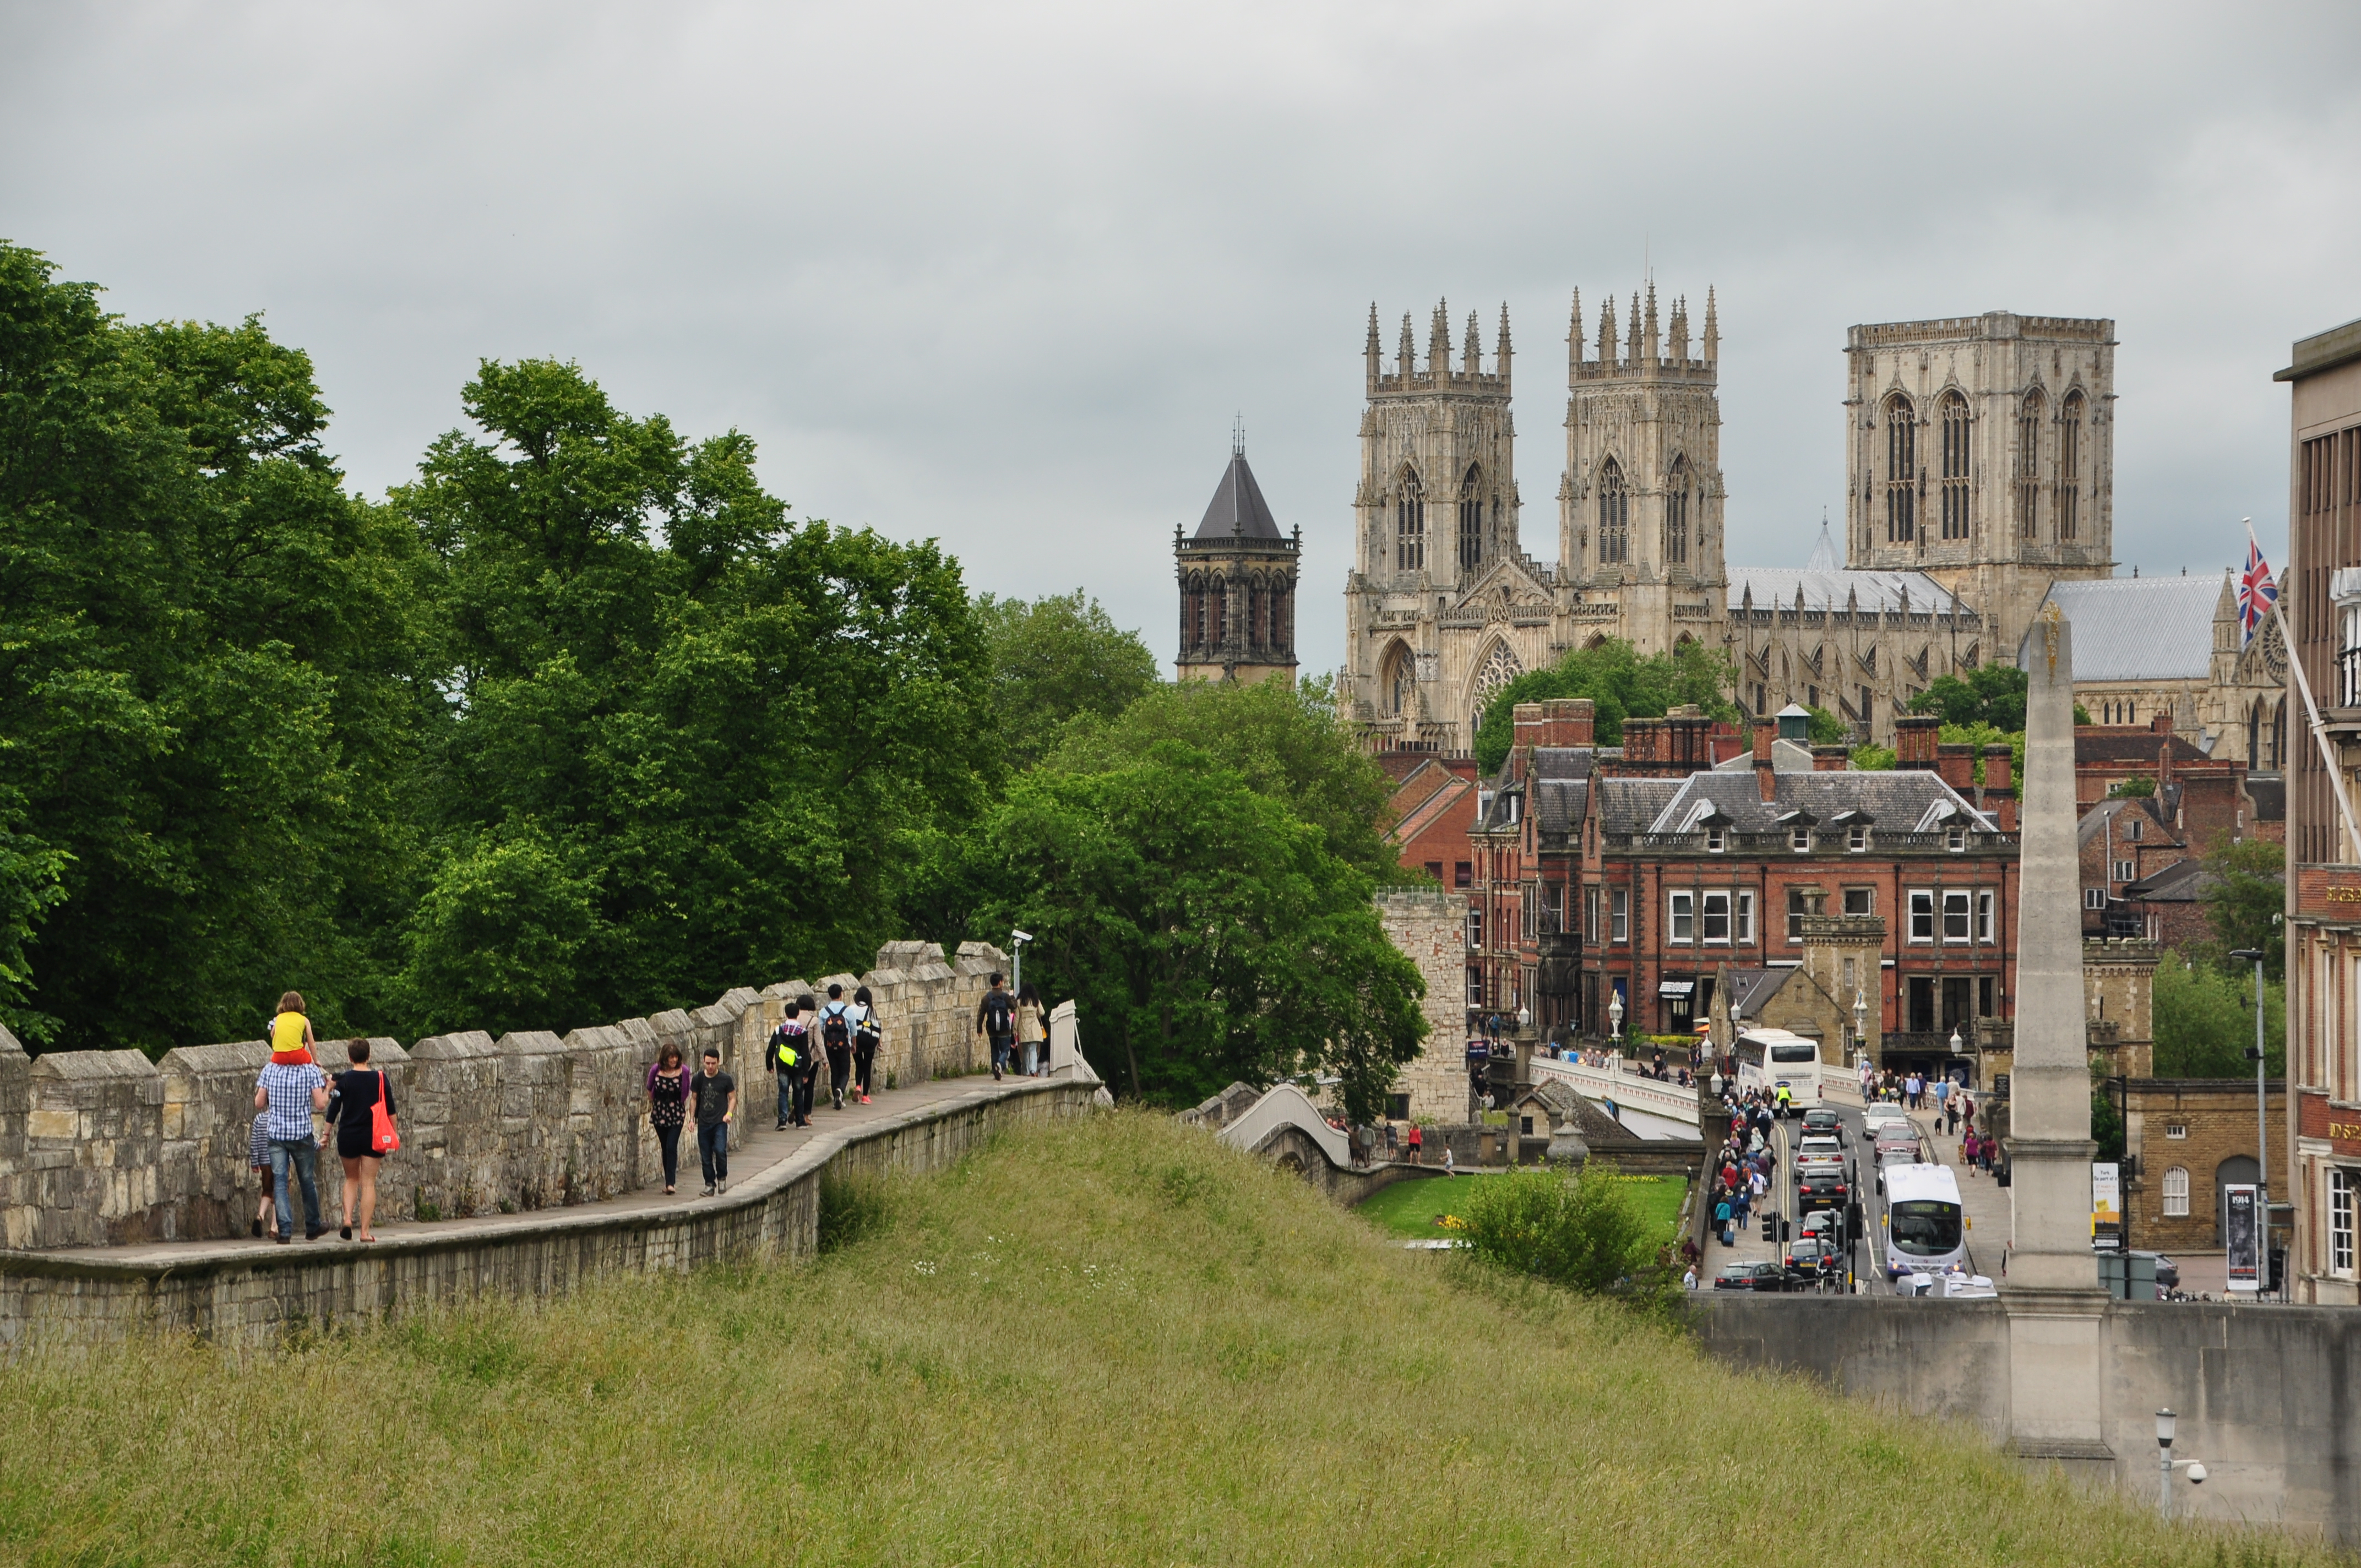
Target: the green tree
pixel 2245 893
pixel 1622 685
pixel 1208 934
pixel 1827 729
pixel 1285 741
pixel 1583 1232
pixel 2205 1021
pixel 209 691
pixel 1993 694
pixel 1055 659
pixel 686 741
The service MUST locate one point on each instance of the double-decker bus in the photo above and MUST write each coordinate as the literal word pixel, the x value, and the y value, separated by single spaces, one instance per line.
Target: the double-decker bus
pixel 1926 1232
pixel 1769 1057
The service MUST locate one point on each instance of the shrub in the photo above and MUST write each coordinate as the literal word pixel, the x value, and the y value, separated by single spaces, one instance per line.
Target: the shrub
pixel 1584 1232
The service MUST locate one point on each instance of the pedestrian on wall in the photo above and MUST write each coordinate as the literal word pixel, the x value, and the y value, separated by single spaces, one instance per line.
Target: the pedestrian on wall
pixel 1417 1141
pixel 1448 1169
pixel 291 1033
pixel 995 1020
pixel 868 1034
pixel 668 1106
pixel 258 1155
pixel 291 1091
pixel 714 1094
pixel 1032 1032
pixel 806 1073
pixel 836 1040
pixel 352 1110
pixel 784 1060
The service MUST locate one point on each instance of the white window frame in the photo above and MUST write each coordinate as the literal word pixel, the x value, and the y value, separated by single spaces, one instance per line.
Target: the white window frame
pixel 2341 1199
pixel 1869 897
pixel 2126 872
pixel 1711 907
pixel 1955 840
pixel 1475 927
pixel 2094 898
pixel 2176 1129
pixel 1957 905
pixel 1619 914
pixel 1856 839
pixel 1680 921
pixel 1590 915
pixel 1922 908
pixel 2176 1192
pixel 1741 919
pixel 1800 840
pixel 1983 916
pixel 1714 841
pixel 1795 914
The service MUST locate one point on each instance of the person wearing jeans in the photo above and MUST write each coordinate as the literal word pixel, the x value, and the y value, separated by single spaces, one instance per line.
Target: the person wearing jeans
pixel 715 1096
pixel 288 1093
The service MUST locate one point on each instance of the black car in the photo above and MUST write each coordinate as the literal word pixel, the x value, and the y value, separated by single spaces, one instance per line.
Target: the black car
pixel 1749 1277
pixel 1822 1191
pixel 1821 1119
pixel 1802 1260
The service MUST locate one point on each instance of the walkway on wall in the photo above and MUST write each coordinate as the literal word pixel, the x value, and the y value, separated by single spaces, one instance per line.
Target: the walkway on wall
pixel 759 1153
pixel 1656 1109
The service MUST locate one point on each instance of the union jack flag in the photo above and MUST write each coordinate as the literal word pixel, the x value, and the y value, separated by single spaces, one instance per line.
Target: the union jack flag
pixel 2257 594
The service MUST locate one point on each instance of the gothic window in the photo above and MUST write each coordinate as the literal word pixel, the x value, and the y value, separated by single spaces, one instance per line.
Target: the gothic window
pixel 1614 515
pixel 1471 521
pixel 1253 614
pixel 1956 427
pixel 1410 524
pixel 1901 471
pixel 1217 617
pixel 1676 511
pixel 2069 464
pixel 1282 632
pixel 1194 632
pixel 2028 451
pixel 1500 666
pixel 1396 690
pixel 2255 734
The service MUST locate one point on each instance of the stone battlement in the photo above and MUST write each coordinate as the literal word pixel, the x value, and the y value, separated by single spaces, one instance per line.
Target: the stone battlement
pixel 107 1147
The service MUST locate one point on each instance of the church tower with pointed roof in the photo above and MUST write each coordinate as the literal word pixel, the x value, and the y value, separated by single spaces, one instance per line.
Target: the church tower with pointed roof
pixel 1238 584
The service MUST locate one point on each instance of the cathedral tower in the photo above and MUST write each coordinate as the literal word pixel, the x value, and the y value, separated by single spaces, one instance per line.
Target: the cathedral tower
pixel 1238 584
pixel 1436 526
pixel 1979 450
pixel 1639 508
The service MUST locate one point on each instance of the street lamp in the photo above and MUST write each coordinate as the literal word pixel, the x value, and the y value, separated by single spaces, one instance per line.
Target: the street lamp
pixel 1615 1015
pixel 2262 1118
pixel 2165 1422
pixel 1016 981
pixel 1524 1019
pixel 1860 1022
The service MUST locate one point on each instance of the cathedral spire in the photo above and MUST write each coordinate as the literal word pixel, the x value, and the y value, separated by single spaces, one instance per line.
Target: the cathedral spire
pixel 1375 351
pixel 1438 343
pixel 1573 342
pixel 1606 335
pixel 1471 352
pixel 1632 338
pixel 1712 333
pixel 1500 354
pixel 1405 357
pixel 1655 342
pixel 1680 328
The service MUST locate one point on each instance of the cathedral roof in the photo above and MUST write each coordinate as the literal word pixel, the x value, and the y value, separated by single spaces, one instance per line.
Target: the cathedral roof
pixel 1238 505
pixel 1776 587
pixel 2141 629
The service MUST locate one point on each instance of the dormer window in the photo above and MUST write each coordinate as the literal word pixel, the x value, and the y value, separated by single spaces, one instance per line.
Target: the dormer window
pixel 1800 839
pixel 1955 840
pixel 1713 840
pixel 1856 839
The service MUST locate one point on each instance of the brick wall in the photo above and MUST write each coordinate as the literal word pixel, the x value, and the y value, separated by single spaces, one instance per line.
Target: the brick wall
pixel 2219 1114
pixel 107 1147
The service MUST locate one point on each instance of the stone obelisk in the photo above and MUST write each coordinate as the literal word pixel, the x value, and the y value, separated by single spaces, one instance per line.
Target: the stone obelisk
pixel 2055 1305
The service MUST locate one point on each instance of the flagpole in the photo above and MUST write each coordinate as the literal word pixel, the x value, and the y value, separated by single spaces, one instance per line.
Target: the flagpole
pixel 2311 710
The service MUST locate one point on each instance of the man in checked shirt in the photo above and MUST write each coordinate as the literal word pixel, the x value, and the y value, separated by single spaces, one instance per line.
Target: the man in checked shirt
pixel 289 1093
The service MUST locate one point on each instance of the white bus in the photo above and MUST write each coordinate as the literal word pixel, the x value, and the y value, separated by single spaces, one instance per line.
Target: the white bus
pixel 1926 1232
pixel 1769 1057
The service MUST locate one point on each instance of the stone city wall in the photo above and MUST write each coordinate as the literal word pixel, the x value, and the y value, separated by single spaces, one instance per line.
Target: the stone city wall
pixel 109 1148
pixel 1429 926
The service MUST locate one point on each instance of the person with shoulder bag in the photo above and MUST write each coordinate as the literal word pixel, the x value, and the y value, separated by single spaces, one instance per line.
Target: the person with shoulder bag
pixel 995 1020
pixel 1032 1032
pixel 790 1045
pixel 807 1074
pixel 360 1107
pixel 868 1034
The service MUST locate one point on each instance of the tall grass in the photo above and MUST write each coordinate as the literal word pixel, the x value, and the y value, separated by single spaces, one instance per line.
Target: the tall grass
pixel 1103 1342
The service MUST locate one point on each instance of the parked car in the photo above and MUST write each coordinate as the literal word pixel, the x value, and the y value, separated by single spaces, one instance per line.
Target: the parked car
pixel 1749 1277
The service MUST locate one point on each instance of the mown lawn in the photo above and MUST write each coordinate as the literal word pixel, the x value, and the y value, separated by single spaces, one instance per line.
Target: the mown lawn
pixel 1410 1209
pixel 1111 1340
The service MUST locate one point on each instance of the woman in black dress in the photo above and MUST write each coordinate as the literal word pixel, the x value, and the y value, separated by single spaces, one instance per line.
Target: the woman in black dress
pixel 351 1106
pixel 668 1107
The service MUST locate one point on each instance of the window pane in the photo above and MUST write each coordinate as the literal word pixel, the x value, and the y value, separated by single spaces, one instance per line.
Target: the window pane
pixel 1955 917
pixel 1684 918
pixel 1716 917
pixel 1922 917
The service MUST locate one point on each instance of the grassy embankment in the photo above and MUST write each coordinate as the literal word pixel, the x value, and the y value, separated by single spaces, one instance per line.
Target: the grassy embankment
pixel 1111 1340
pixel 1410 1209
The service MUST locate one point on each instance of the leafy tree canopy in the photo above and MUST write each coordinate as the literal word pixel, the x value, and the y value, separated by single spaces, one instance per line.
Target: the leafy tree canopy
pixel 1613 675
pixel 1057 658
pixel 2245 892
pixel 1209 934
pixel 1993 694
pixel 2205 1021
pixel 1827 730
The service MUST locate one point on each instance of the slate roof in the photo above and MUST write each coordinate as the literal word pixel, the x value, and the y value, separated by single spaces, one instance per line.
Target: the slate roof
pixel 1777 586
pixel 1629 806
pixel 1897 801
pixel 2095 820
pixel 2116 745
pixel 1558 803
pixel 2141 629
pixel 2184 882
pixel 1238 507
pixel 1749 989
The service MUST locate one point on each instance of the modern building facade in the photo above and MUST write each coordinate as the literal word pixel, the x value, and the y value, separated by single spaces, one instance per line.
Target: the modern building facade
pixel 2321 594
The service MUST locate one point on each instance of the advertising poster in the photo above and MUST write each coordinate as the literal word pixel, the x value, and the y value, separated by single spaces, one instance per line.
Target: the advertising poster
pixel 2106 1208
pixel 2241 1226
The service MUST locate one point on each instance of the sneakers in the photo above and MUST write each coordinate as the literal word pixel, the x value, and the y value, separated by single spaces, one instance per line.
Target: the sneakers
pixel 720 1186
pixel 864 1099
pixel 838 1095
pixel 315 1235
pixel 708 1190
pixel 282 1241
pixel 780 1128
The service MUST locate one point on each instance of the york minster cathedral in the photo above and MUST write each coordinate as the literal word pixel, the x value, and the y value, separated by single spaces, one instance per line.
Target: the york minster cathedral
pixel 1979 476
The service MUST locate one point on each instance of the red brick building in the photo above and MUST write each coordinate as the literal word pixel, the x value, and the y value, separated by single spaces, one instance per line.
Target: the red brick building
pixel 1433 806
pixel 1639 872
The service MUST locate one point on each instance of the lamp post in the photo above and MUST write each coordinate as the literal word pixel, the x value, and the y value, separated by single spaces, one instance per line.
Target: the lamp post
pixel 1615 1017
pixel 2262 1117
pixel 2165 1422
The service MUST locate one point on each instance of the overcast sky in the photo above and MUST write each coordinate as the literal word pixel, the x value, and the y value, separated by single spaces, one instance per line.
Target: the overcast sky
pixel 1002 276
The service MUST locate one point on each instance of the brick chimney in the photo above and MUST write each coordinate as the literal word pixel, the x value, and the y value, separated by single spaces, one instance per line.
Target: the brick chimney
pixel 1527 718
pixel 1643 740
pixel 1689 737
pixel 1569 721
pixel 1831 759
pixel 1957 766
pixel 1766 781
pixel 1915 739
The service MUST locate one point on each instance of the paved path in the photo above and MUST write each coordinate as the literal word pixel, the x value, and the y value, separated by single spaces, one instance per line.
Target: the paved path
pixel 759 1151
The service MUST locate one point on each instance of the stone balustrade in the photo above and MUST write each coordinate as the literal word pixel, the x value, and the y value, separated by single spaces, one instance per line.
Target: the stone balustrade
pixel 108 1147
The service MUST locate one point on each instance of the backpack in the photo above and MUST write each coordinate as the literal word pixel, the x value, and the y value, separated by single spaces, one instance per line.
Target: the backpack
pixel 833 1030
pixel 999 1013
pixel 865 1031
pixel 783 1044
